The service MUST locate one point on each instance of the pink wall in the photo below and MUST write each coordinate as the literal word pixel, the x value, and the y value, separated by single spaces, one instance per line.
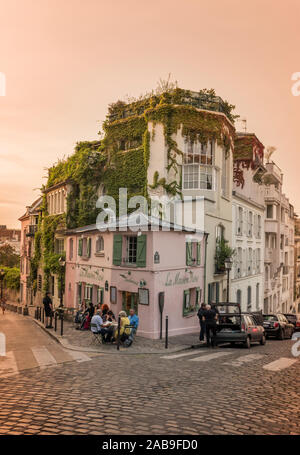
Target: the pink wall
pixel 171 276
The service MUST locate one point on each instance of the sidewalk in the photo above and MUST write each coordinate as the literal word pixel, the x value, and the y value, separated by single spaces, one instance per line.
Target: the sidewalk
pixel 83 341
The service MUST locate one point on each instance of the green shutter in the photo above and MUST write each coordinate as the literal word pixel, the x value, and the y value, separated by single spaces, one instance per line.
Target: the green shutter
pixel 189 260
pixel 88 247
pixel 209 293
pixel 198 294
pixel 80 247
pixel 186 302
pixel 217 292
pixel 141 250
pixel 198 253
pixel 117 249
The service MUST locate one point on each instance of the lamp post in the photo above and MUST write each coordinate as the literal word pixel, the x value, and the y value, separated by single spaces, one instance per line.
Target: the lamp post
pixel 62 263
pixel 2 274
pixel 228 267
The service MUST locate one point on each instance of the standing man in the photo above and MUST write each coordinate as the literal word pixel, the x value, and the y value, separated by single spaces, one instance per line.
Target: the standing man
pixel 210 317
pixel 200 315
pixel 47 302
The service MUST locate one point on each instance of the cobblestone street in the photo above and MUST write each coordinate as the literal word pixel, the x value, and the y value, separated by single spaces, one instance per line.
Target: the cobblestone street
pixel 202 391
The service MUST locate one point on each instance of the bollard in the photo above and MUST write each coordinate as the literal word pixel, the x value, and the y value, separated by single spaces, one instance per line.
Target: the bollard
pixel 43 315
pixel 118 337
pixel 62 323
pixel 166 338
pixel 55 321
pixel 35 314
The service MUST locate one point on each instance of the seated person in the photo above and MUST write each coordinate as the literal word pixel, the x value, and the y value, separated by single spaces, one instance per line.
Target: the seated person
pixel 124 332
pixel 134 321
pixel 105 331
pixel 110 316
pixel 105 309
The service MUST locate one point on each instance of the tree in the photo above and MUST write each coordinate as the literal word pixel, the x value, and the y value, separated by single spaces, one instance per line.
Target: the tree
pixel 8 256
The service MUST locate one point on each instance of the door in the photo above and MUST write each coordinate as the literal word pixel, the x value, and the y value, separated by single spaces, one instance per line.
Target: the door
pixel 130 300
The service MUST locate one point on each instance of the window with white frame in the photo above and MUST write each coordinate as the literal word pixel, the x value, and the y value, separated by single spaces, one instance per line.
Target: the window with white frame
pixel 249 271
pixel 88 292
pixel 224 175
pixel 240 221
pixel 198 171
pixel 131 249
pixel 250 224
pixel 100 244
pixel 59 246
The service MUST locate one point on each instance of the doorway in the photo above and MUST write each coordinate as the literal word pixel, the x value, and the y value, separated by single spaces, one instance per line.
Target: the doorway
pixel 130 300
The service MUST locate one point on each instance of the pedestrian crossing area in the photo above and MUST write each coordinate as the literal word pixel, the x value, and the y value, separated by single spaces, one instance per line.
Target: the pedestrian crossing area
pixel 223 356
pixel 41 357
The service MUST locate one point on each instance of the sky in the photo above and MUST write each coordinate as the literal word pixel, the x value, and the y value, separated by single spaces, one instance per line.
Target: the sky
pixel 65 61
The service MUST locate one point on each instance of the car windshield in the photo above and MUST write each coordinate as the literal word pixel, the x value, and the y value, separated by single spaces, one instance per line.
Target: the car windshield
pixel 231 309
pixel 270 317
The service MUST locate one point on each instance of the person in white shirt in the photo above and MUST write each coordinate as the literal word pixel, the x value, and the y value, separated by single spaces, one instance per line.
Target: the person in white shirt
pixel 97 326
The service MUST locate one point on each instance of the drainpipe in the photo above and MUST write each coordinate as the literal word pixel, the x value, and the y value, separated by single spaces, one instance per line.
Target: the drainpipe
pixel 205 256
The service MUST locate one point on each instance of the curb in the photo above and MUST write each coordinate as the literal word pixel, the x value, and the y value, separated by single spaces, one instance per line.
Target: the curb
pixel 71 347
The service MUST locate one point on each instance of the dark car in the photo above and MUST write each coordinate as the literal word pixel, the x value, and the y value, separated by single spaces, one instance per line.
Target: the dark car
pixel 233 326
pixel 293 319
pixel 277 325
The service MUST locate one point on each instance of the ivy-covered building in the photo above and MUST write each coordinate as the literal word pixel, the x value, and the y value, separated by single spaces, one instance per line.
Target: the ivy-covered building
pixel 178 143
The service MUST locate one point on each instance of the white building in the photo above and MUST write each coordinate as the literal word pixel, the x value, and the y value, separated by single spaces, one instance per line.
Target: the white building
pixel 279 244
pixel 248 212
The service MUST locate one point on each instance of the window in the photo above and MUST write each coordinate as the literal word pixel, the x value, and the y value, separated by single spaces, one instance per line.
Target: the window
pixel 84 247
pixel 191 301
pixel 131 249
pixel 79 293
pixel 258 226
pixel 269 211
pixel 99 244
pixel 250 261
pixel 257 296
pixel 59 246
pixel 113 294
pixel 240 221
pixel 71 249
pixel 88 292
pixel 135 250
pixel 250 224
pixel 224 175
pixel 100 295
pixel 197 166
pixel 193 253
pixel 249 298
pixel 239 296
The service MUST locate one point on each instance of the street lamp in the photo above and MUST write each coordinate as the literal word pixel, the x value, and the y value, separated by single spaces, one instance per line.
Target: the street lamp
pixel 2 274
pixel 228 267
pixel 62 263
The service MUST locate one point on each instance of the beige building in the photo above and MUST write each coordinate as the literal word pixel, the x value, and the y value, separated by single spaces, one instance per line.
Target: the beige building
pixel 279 244
pixel 297 266
pixel 248 215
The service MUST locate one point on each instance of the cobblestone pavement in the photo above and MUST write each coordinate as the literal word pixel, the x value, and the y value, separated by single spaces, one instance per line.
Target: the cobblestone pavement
pixel 203 391
pixel 82 339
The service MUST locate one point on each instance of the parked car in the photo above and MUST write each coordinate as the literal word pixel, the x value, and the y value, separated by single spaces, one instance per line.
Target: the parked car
pixel 292 319
pixel 233 326
pixel 277 325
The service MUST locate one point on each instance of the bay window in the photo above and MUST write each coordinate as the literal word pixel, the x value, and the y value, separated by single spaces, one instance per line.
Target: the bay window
pixel 198 171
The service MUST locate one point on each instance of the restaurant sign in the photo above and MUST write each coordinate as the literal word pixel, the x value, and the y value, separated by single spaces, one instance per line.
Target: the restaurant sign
pixel 180 279
pixel 85 272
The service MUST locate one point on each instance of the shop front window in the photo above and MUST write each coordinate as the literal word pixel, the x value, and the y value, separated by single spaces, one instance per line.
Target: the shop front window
pixel 191 301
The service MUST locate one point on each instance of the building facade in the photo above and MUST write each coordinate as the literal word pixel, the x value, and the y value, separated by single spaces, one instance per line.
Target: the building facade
pixel 279 244
pixel 29 225
pixel 297 266
pixel 248 214
pixel 127 269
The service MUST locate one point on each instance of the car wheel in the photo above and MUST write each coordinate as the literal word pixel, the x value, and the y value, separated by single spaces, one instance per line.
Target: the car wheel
pixel 263 340
pixel 247 343
pixel 281 335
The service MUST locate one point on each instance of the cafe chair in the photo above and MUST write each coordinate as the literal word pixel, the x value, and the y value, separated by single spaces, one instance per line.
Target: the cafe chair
pixel 96 336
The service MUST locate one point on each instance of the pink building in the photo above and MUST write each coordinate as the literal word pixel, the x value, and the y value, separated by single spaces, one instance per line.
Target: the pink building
pixel 127 269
